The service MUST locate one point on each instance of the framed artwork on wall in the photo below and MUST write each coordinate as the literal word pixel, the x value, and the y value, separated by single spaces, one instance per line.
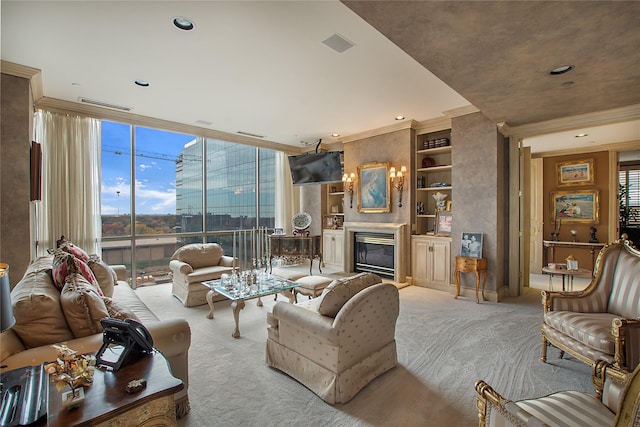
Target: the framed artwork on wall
pixel 579 172
pixel 443 223
pixel 471 245
pixel 374 195
pixel 580 206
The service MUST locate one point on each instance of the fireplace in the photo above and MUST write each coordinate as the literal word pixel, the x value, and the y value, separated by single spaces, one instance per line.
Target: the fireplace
pixel 389 252
pixel 373 253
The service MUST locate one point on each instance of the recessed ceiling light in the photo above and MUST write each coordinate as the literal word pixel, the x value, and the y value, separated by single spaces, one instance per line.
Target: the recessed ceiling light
pixel 399 117
pixel 582 135
pixel 142 83
pixel 561 70
pixel 183 23
pixel 335 135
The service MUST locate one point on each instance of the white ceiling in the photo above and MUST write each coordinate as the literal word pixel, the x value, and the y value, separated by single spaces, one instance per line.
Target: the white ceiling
pixel 258 67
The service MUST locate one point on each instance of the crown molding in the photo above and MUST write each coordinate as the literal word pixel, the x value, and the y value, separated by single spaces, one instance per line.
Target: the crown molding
pixel 34 76
pixel 599 118
pixel 433 125
pixel 461 111
pixel 67 107
pixel 617 147
pixel 405 124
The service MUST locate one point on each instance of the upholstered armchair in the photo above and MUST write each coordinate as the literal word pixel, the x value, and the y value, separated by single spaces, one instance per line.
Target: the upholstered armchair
pixel 337 343
pixel 616 403
pixel 602 322
pixel 192 264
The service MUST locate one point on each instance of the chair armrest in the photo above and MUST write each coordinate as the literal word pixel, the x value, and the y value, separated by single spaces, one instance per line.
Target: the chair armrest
pixel 10 344
pixel 302 318
pixel 487 397
pixel 228 261
pixel 626 333
pixel 180 267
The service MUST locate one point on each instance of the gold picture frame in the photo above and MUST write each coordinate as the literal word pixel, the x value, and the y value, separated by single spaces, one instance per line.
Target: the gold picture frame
pixel 579 206
pixel 374 190
pixel 575 172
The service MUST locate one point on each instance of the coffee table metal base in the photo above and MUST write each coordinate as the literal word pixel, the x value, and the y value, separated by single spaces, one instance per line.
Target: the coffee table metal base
pixel 239 304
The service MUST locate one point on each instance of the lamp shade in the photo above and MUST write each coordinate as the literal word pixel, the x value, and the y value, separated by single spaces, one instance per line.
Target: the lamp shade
pixel 6 314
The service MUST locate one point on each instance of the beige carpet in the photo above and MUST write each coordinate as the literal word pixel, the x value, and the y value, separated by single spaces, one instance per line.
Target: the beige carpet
pixel 444 346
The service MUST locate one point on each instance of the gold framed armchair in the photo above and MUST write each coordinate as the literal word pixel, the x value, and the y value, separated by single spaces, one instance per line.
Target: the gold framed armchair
pixel 602 322
pixel 616 403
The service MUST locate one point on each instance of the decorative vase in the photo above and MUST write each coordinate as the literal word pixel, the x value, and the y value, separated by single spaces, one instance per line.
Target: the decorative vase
pixel 73 398
pixel 439 198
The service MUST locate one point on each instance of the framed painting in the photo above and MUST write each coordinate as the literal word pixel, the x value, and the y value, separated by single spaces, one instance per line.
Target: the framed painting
pixel 374 195
pixel 443 223
pixel 578 172
pixel 575 206
pixel 471 245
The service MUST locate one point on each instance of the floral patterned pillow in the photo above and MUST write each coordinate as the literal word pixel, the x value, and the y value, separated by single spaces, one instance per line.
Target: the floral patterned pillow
pixel 75 251
pixel 65 263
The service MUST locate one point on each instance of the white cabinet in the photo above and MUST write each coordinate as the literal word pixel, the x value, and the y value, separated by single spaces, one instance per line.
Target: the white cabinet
pixel 431 262
pixel 333 248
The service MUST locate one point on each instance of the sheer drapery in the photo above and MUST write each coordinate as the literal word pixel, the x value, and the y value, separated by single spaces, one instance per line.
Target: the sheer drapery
pixel 70 203
pixel 287 196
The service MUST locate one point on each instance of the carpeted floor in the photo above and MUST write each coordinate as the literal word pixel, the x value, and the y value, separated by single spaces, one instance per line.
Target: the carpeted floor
pixel 444 346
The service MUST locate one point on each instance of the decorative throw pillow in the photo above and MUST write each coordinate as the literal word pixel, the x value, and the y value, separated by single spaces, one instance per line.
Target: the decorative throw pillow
pixel 103 274
pixel 118 310
pixel 65 263
pixel 75 251
pixel 338 292
pixel 82 306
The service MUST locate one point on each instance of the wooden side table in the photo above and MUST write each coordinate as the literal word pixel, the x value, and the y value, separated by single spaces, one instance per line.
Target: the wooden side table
pixel 107 403
pixel 471 265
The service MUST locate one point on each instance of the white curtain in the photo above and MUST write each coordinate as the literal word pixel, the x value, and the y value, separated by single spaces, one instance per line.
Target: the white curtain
pixel 287 196
pixel 71 165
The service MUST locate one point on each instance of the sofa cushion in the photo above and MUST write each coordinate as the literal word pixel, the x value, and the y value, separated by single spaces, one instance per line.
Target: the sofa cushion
pixel 338 292
pixel 207 273
pixel 36 307
pixel 118 310
pixel 82 306
pixel 199 254
pixel 591 329
pixel 565 407
pixel 65 263
pixel 104 275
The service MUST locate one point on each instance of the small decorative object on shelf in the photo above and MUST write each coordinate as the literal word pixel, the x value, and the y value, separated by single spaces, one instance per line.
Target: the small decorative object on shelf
pixel 574 235
pixel 428 162
pixel 420 208
pixel 440 201
pixel 73 371
pixel 572 263
pixel 593 238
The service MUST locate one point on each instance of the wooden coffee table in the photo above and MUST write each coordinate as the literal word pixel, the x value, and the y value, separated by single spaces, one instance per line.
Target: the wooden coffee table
pixel 107 403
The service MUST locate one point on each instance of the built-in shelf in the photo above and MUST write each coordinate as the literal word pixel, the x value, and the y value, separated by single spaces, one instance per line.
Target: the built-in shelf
pixel 434 188
pixel 435 168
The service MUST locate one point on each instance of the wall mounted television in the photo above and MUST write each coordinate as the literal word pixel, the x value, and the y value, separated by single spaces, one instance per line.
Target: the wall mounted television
pixel 316 168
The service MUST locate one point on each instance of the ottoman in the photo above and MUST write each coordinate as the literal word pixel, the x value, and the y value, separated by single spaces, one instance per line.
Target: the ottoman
pixel 311 286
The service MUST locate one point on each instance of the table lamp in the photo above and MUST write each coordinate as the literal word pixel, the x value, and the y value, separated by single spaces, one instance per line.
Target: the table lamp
pixel 6 315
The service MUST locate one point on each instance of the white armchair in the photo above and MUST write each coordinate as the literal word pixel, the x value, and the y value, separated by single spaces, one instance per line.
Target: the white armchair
pixel 339 342
pixel 194 263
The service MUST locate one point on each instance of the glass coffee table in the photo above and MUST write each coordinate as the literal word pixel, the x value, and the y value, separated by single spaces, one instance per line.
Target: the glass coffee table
pixel 266 285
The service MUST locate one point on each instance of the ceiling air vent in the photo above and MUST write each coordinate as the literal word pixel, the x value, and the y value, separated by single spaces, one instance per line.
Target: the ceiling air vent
pixel 338 43
pixel 250 134
pixel 103 104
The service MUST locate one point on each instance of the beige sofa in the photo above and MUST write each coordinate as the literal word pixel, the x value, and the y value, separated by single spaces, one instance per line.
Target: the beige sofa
pixel 192 264
pixel 41 320
pixel 339 342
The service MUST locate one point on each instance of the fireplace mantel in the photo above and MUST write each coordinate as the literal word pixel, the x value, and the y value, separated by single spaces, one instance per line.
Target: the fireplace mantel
pixel 399 231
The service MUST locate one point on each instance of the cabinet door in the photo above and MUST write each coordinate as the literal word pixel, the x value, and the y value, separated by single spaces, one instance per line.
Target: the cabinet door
pixel 419 261
pixel 440 264
pixel 333 248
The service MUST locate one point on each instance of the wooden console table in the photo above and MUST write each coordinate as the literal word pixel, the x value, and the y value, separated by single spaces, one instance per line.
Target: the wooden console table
pixel 471 265
pixel 551 245
pixel 295 247
pixel 107 403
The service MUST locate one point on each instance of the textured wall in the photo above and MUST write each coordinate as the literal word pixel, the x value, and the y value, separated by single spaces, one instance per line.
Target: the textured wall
pixel 14 174
pixel 395 148
pixel 479 194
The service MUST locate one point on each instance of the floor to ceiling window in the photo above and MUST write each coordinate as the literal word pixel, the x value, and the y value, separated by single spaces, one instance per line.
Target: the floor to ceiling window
pixel 179 189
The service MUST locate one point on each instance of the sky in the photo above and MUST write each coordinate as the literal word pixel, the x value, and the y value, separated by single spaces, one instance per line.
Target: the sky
pixel 156 153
